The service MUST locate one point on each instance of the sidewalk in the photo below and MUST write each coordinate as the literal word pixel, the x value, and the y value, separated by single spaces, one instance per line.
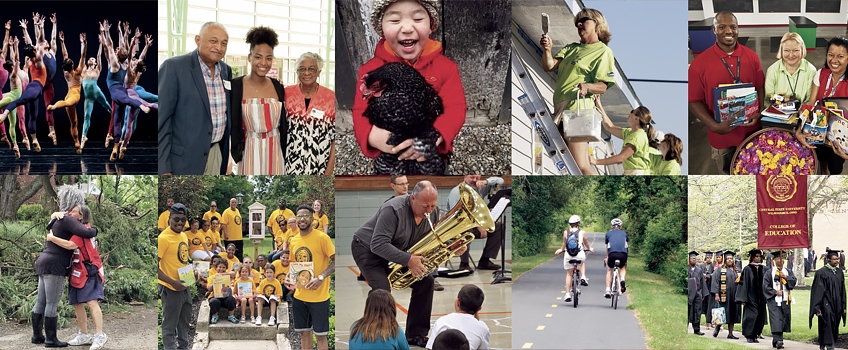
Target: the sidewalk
pixel 763 344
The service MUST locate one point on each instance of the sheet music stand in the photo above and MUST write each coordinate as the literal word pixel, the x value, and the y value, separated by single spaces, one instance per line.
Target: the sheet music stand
pixel 499 276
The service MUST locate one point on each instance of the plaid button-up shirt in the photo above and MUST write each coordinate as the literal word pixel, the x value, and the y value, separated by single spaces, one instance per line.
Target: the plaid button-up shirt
pixel 217 99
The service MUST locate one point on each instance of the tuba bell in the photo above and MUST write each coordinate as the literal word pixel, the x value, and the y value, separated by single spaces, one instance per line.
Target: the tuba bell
pixel 446 237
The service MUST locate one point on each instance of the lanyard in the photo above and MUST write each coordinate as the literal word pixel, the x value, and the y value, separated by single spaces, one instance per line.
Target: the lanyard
pixel 790 82
pixel 735 77
pixel 830 91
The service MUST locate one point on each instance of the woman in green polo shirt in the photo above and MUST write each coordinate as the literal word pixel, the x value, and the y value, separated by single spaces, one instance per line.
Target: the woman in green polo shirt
pixel 583 69
pixel 668 158
pixel 792 74
pixel 634 153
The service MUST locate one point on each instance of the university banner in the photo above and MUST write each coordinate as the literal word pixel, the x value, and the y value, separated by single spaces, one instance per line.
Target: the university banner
pixel 782 212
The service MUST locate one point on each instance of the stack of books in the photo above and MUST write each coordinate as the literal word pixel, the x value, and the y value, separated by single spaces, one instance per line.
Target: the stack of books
pixel 735 102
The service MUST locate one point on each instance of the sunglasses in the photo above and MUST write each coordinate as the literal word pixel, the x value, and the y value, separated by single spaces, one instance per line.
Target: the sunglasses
pixel 584 19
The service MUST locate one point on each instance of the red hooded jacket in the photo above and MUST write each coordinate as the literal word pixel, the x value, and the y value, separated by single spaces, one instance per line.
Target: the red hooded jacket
pixel 439 71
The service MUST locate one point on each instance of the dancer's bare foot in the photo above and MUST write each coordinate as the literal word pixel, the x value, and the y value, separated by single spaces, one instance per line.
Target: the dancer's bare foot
pixel 35 145
pixel 17 151
pixel 26 142
pixel 109 139
pixel 77 146
pixel 144 109
pixel 5 139
pixel 121 154
pixel 52 135
pixel 82 142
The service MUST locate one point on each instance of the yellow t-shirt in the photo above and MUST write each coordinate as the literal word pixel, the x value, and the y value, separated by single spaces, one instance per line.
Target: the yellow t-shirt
pixel 195 240
pixel 319 222
pixel 232 218
pixel 163 219
pixel 208 215
pixel 270 287
pixel 173 254
pixel 212 238
pixel 272 220
pixel 280 271
pixel 230 262
pixel 316 247
pixel 252 286
pixel 257 277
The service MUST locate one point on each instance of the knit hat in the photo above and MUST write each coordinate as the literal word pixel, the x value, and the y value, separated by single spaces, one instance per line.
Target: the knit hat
pixel 381 5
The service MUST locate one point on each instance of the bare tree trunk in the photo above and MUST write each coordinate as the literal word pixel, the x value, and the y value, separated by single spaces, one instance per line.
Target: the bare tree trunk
pixel 49 199
pixel 117 183
pixel 13 195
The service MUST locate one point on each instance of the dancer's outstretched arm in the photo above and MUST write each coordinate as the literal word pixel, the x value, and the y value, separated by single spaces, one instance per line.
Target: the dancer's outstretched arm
pixel 27 40
pixel 52 34
pixel 148 40
pixel 38 21
pixel 62 39
pixel 114 66
pixel 83 44
pixel 6 41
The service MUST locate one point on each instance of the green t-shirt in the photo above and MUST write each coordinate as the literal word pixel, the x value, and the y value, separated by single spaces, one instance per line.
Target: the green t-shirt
pixel 660 166
pixel 780 82
pixel 582 63
pixel 639 160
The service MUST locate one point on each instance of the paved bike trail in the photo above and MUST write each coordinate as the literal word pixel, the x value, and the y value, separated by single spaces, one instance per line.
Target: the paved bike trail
pixel 542 320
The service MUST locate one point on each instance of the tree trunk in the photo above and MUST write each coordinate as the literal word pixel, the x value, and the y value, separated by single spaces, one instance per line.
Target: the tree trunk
pixel 13 195
pixel 49 199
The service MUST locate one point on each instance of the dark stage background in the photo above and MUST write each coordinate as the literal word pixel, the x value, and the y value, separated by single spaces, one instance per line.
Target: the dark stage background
pixel 73 18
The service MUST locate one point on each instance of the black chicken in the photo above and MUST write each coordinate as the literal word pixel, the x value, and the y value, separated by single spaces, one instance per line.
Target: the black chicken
pixel 402 102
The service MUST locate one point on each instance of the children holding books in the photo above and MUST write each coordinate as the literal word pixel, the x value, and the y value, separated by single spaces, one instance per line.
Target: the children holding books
pixel 224 297
pixel 230 257
pixel 282 269
pixel 634 152
pixel 405 27
pixel 269 292
pixel 246 290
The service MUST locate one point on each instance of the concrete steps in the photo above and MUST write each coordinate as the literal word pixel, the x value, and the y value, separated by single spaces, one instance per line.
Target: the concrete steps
pixel 226 335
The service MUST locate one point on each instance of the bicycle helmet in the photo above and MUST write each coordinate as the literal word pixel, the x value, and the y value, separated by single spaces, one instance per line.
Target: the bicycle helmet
pixel 574 219
pixel 616 222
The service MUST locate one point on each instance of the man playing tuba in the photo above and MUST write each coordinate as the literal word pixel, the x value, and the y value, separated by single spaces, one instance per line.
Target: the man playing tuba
pixel 398 225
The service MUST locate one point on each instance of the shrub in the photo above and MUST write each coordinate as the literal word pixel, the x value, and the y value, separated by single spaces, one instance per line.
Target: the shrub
pixel 28 212
pixel 129 285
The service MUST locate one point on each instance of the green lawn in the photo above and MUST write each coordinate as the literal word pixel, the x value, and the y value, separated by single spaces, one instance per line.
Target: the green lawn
pixel 266 246
pixel 661 313
pixel 522 264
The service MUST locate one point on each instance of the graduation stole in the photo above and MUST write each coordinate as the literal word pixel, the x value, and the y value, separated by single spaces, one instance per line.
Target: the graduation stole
pixel 723 285
pixel 777 285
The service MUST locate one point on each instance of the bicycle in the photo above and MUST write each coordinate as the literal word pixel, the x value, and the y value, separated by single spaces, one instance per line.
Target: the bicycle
pixel 575 278
pixel 615 289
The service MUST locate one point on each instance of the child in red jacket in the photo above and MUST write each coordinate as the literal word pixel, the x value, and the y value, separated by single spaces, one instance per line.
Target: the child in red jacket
pixel 405 27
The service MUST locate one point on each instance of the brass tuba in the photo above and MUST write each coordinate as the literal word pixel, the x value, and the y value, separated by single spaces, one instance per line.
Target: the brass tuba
pixel 447 236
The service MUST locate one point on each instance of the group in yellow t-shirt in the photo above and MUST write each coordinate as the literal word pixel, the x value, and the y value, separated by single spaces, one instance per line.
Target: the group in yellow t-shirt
pixel 173 254
pixel 232 219
pixel 317 248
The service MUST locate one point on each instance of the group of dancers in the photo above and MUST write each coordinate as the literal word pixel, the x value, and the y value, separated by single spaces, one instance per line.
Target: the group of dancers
pixel 125 66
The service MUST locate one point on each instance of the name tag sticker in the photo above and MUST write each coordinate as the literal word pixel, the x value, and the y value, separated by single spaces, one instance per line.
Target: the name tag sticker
pixel 226 84
pixel 316 113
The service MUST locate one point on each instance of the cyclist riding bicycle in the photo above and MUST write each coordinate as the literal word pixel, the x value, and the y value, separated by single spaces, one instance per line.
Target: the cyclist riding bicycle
pixel 616 240
pixel 577 236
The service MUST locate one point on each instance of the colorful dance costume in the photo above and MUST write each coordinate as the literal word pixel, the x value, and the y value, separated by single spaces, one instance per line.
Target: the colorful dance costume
pixel 30 96
pixel 7 98
pixel 120 99
pixel 92 94
pixel 50 64
pixel 70 104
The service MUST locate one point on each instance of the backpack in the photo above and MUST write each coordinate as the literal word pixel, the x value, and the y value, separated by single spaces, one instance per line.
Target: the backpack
pixel 571 245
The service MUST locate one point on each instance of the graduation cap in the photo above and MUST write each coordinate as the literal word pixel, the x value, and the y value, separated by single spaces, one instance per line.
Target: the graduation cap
pixel 754 251
pixel 728 253
pixel 693 253
pixel 778 253
pixel 833 252
pixel 719 252
pixel 708 254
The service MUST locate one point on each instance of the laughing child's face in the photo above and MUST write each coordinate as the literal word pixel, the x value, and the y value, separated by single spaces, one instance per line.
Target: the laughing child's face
pixel 406 27
pixel 221 267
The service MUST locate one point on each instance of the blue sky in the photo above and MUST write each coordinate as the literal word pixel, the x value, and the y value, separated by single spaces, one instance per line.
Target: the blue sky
pixel 649 39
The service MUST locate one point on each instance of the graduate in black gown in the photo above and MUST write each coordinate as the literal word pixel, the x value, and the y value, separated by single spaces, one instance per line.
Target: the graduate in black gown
pixel 778 282
pixel 750 294
pixel 827 300
pixel 723 292
pixel 697 292
pixel 708 274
